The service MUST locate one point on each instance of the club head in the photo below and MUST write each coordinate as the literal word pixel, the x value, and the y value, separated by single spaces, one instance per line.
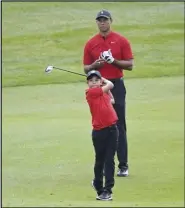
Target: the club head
pixel 49 69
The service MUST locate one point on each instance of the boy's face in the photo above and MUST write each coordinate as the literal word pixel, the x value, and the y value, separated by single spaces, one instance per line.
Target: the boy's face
pixel 94 81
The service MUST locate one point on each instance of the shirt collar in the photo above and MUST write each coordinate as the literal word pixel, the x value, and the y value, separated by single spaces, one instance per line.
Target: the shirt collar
pixel 108 36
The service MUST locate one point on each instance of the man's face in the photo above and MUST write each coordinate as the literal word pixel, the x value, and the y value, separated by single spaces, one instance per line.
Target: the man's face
pixel 104 24
pixel 94 82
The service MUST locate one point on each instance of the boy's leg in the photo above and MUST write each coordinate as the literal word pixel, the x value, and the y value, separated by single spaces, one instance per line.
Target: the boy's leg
pixel 98 138
pixel 112 139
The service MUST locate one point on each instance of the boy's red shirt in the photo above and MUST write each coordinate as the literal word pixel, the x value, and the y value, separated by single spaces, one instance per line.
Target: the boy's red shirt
pixel 102 111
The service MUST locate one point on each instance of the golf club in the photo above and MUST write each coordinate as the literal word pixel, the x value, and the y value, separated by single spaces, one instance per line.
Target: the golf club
pixel 50 68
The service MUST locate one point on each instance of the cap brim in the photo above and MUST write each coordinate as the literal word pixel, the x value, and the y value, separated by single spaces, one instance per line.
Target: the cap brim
pixel 91 75
pixel 102 16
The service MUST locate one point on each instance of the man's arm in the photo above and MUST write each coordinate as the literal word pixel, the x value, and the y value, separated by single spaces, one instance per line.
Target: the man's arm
pixel 126 61
pixel 124 64
pixel 88 61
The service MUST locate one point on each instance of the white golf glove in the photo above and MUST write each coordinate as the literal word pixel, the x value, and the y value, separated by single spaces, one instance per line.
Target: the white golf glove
pixel 107 56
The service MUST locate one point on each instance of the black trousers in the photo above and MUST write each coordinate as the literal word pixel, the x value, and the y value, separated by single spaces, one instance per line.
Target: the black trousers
pixel 105 145
pixel 119 93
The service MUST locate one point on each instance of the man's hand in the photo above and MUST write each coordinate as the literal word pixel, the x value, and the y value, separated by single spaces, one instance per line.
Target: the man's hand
pixel 94 66
pixel 107 56
pixel 98 64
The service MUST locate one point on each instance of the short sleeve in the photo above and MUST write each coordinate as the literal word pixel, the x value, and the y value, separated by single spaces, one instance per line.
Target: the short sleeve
pixel 87 57
pixel 94 92
pixel 126 49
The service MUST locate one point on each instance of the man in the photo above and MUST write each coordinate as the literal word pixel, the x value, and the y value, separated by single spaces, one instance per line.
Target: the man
pixel 111 54
pixel 104 133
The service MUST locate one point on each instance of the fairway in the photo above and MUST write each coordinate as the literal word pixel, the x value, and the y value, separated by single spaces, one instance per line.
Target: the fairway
pixel 48 155
pixel 47 152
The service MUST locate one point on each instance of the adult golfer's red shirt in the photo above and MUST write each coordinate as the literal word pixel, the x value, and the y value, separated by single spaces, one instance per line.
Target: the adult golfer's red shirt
pixel 120 49
pixel 102 111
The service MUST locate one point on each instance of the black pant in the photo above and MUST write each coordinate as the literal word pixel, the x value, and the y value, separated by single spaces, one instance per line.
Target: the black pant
pixel 105 145
pixel 119 93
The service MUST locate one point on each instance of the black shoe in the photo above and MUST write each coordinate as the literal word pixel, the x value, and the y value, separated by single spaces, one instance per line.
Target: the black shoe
pixel 122 172
pixel 105 196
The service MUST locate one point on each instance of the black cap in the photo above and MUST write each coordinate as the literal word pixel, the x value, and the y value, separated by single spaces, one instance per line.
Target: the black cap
pixel 104 13
pixel 93 73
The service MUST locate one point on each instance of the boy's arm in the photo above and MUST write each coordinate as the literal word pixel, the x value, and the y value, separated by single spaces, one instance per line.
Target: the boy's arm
pixel 111 97
pixel 107 85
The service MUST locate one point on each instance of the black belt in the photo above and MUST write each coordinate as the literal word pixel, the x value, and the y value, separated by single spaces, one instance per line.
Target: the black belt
pixel 117 79
pixel 112 126
pixel 109 127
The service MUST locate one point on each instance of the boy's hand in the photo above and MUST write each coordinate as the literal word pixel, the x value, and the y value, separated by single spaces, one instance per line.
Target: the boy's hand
pixel 103 81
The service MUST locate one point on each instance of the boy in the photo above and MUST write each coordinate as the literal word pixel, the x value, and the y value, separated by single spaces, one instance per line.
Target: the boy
pixel 104 133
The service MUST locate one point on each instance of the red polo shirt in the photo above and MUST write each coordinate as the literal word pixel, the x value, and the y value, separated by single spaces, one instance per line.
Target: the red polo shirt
pixel 120 49
pixel 102 111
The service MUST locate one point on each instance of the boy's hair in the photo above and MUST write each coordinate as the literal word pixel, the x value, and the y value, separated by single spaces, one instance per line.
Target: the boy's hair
pixel 93 73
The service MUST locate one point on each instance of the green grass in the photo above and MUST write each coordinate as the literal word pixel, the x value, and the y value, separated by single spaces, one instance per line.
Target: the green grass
pixel 35 35
pixel 48 154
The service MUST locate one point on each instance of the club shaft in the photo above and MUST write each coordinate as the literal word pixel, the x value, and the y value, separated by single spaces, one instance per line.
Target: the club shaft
pixel 70 71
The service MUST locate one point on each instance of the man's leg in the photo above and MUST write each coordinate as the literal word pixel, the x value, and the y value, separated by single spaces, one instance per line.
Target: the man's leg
pixel 119 93
pixel 112 139
pixel 122 150
pixel 98 138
